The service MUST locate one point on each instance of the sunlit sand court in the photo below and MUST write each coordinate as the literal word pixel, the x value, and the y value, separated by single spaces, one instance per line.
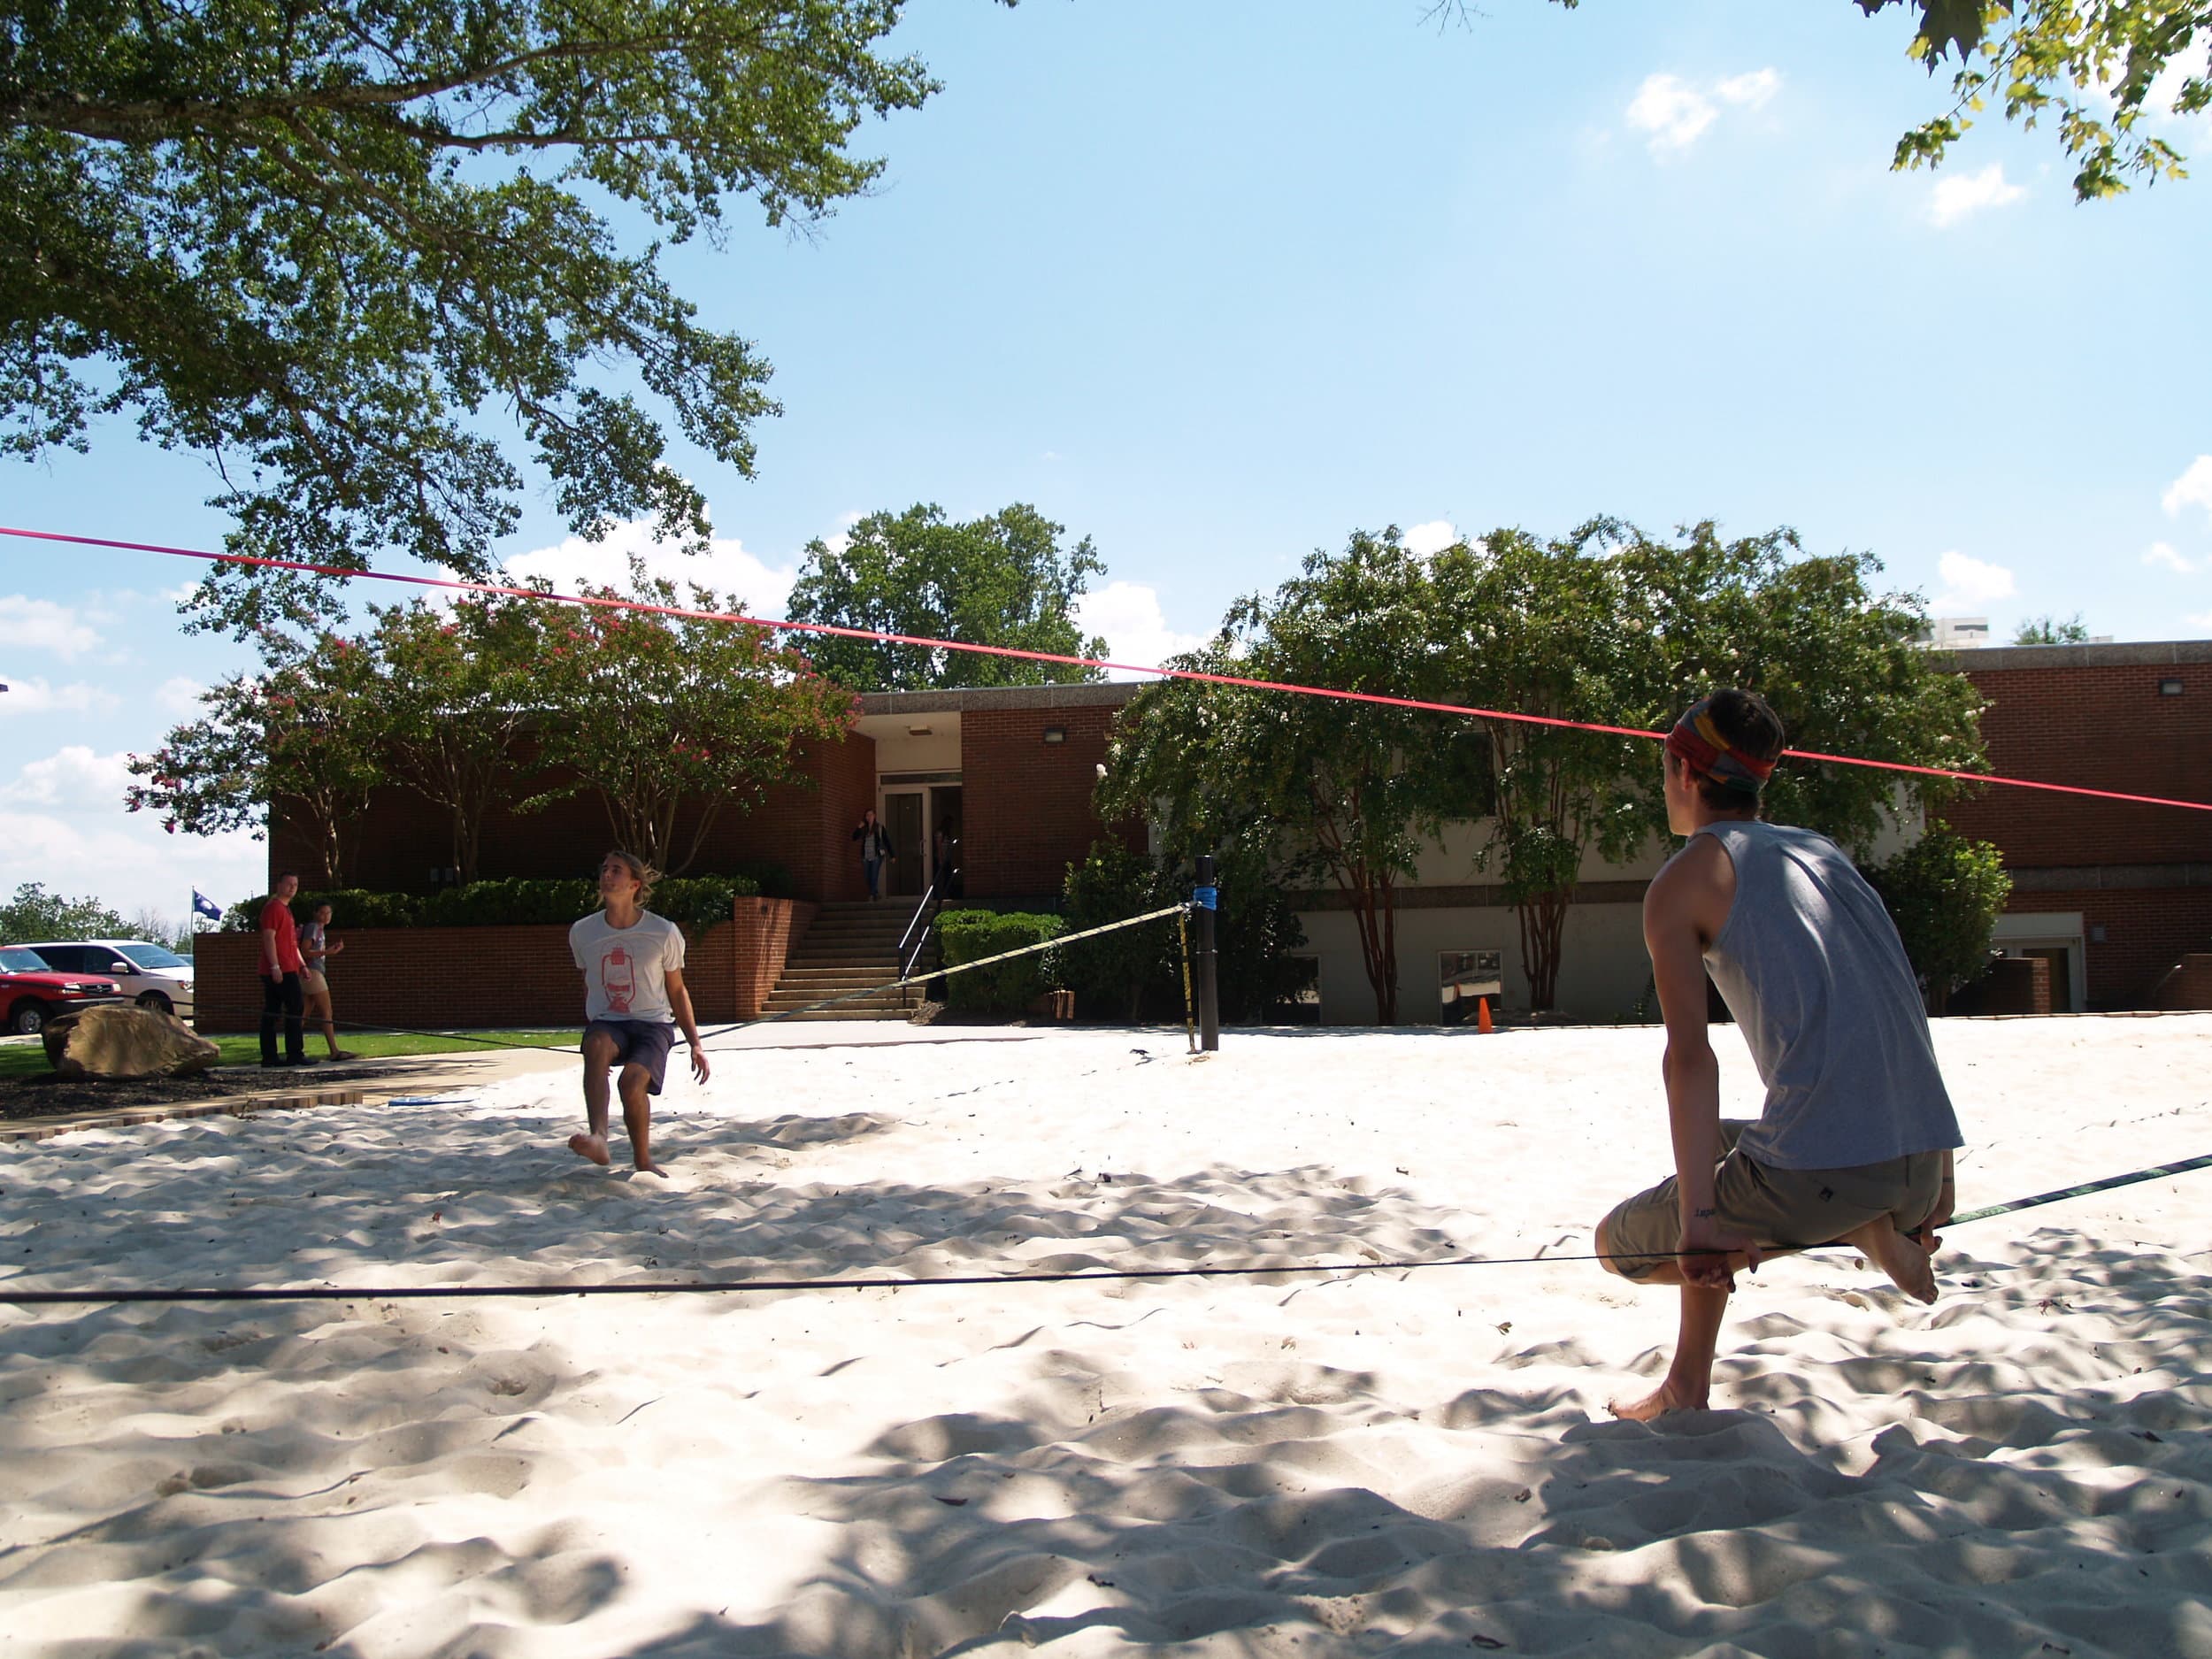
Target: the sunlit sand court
pixel 1382 1462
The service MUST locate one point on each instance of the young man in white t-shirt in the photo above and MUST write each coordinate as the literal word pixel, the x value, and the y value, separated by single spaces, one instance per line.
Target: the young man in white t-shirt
pixel 632 963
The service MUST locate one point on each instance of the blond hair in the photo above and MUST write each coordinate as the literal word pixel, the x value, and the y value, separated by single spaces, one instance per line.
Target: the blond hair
pixel 645 874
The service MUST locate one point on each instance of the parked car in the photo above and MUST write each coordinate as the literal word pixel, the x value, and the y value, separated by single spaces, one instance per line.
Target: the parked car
pixel 151 976
pixel 31 993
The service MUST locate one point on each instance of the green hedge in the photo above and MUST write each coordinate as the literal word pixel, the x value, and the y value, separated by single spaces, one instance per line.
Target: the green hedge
pixel 519 900
pixel 971 935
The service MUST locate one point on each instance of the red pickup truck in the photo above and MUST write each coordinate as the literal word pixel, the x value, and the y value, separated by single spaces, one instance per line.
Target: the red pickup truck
pixel 31 993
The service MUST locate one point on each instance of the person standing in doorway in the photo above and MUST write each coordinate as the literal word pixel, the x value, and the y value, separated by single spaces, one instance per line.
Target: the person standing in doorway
pixel 632 963
pixel 875 850
pixel 282 971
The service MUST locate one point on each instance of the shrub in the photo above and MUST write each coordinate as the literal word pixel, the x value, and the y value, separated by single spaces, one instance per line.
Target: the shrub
pixel 1945 893
pixel 1140 970
pixel 517 901
pixel 1117 975
pixel 353 907
pixel 971 935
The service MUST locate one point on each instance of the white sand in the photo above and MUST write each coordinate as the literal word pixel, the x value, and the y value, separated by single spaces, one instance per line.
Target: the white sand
pixel 1375 1463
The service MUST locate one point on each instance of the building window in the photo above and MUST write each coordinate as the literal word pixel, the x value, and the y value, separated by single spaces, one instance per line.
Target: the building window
pixel 1055 734
pixel 2169 687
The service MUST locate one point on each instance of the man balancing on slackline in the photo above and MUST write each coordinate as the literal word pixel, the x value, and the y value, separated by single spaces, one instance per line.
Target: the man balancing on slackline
pixel 1854 1145
pixel 633 997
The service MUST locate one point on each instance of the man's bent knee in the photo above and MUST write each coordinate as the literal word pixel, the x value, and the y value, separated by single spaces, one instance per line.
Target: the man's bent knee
pixel 1605 1248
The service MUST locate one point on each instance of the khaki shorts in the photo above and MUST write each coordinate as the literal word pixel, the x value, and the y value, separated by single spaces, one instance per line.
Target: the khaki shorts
pixel 312 983
pixel 1784 1209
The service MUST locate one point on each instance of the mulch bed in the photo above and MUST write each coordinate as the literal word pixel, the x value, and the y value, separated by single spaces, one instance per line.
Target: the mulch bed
pixel 51 1096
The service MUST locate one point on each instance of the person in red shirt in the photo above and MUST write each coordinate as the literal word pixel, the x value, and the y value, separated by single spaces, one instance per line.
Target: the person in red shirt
pixel 281 969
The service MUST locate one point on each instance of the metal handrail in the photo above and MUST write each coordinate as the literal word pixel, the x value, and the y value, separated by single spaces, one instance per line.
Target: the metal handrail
pixel 918 908
pixel 921 943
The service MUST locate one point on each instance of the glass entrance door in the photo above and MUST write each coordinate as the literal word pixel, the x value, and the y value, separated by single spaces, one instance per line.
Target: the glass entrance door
pixel 909 866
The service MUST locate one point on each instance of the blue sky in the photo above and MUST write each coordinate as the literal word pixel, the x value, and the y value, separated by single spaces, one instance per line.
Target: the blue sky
pixel 1217 285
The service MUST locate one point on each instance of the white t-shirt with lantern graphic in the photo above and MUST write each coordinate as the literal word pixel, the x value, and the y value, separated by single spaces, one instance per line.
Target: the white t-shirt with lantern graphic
pixel 626 969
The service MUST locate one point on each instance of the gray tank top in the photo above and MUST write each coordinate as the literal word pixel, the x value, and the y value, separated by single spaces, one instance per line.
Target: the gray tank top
pixel 1810 963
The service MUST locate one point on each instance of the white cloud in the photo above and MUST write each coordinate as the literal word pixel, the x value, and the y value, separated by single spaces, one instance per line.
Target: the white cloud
pixel 42 624
pixel 1970 584
pixel 1752 91
pixel 35 696
pixel 1954 198
pixel 2204 621
pixel 1433 537
pixel 179 694
pixel 762 589
pixel 1672 113
pixel 2162 554
pixel 2192 489
pixel 1136 629
pixel 75 779
pixel 63 824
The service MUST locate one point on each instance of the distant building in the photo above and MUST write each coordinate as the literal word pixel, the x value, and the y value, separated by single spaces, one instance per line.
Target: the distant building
pixel 1956 633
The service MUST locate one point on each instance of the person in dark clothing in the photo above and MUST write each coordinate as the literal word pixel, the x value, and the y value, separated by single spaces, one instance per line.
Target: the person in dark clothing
pixel 875 849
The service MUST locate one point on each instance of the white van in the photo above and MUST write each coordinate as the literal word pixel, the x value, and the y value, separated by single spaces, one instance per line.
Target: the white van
pixel 150 975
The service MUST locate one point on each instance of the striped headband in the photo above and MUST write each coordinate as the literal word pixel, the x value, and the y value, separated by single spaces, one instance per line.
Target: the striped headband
pixel 1697 742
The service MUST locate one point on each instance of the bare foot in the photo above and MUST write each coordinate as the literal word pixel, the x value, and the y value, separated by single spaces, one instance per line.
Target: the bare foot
pixel 1901 1257
pixel 591 1147
pixel 650 1168
pixel 1669 1396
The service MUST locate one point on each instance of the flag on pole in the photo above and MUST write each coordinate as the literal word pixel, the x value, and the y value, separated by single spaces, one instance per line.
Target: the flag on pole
pixel 202 905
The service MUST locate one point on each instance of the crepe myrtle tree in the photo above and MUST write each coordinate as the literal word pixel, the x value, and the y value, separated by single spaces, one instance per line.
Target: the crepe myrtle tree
pixel 1352 793
pixel 2101 73
pixel 673 721
pixel 1546 628
pixel 301 738
pixel 350 250
pixel 456 692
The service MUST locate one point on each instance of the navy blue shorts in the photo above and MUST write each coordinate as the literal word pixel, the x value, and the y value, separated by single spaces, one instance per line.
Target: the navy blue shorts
pixel 639 1042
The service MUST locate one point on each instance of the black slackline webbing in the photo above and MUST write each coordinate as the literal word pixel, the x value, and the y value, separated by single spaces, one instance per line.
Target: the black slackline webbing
pixel 454 1293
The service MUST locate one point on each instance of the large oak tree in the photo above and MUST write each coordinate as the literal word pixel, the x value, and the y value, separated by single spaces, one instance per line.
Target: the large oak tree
pixel 346 248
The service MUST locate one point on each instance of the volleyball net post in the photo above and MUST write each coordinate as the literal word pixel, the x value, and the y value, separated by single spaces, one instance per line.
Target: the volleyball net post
pixel 1205 899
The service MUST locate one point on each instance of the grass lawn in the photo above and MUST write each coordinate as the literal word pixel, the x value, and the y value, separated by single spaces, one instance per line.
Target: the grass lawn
pixel 29 1059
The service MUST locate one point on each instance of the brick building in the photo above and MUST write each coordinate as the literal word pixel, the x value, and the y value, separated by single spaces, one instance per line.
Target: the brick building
pixel 1007 771
pixel 2111 895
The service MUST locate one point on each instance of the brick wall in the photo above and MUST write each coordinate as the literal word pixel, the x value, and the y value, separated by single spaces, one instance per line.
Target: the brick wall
pixel 2015 984
pixel 2102 727
pixel 763 936
pixel 2147 930
pixel 1025 803
pixel 402 837
pixel 2189 985
pixel 445 978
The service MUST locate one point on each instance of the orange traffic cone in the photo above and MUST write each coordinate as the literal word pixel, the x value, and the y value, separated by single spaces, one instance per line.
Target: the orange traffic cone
pixel 1482 1015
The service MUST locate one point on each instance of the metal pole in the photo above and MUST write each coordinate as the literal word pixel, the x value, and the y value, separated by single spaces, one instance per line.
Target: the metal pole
pixel 1207 899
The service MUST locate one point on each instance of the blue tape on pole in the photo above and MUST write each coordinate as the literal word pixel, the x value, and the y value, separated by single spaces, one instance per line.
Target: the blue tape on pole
pixel 1205 898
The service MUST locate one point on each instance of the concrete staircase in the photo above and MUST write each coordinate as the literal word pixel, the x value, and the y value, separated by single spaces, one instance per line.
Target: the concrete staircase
pixel 847 947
